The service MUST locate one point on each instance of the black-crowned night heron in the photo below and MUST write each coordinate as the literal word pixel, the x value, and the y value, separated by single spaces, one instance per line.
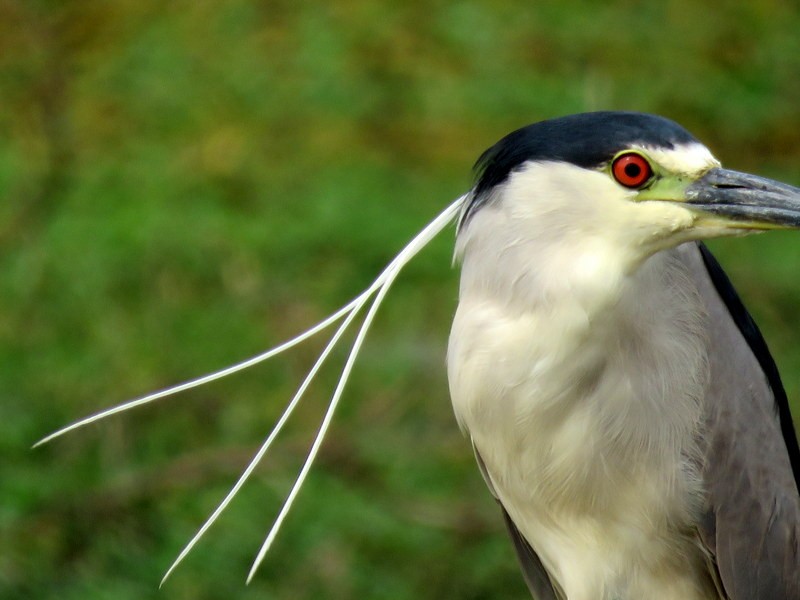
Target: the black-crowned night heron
pixel 623 406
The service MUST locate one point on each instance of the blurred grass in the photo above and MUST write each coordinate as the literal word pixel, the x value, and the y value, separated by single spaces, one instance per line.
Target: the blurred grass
pixel 186 184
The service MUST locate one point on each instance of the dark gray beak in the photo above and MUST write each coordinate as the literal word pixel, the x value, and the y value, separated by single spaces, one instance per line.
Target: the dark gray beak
pixel 748 199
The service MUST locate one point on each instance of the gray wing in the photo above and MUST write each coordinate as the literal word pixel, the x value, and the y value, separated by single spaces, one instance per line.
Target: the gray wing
pixel 751 525
pixel 533 571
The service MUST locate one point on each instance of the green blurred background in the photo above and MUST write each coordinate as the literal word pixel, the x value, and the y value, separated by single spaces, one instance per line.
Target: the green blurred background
pixel 184 184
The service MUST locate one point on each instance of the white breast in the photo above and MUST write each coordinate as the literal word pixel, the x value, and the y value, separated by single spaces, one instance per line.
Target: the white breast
pixel 584 403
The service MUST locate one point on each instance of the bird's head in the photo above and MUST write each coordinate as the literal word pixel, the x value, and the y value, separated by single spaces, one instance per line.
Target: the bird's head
pixel 604 190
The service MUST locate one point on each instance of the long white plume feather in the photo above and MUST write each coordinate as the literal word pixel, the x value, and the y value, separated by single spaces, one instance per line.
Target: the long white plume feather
pixel 349 312
pixel 267 443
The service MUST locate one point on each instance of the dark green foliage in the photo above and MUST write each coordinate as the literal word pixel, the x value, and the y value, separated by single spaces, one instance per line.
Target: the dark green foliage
pixel 184 184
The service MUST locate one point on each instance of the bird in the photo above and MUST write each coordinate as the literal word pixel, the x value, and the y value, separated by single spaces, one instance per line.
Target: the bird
pixel 622 405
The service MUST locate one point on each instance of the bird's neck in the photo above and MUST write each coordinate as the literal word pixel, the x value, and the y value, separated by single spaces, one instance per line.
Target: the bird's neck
pixel 581 402
pixel 582 331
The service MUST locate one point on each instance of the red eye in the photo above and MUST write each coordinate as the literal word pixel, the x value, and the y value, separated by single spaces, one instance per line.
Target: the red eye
pixel 632 170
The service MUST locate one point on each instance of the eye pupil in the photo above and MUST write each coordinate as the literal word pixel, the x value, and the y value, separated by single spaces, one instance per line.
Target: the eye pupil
pixel 631 170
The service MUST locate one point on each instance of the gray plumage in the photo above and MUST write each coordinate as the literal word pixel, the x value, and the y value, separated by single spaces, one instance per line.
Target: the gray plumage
pixel 751 521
